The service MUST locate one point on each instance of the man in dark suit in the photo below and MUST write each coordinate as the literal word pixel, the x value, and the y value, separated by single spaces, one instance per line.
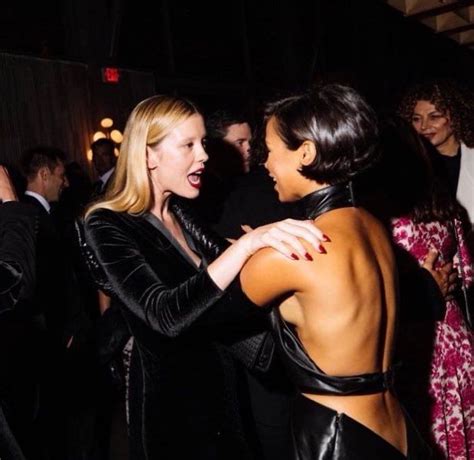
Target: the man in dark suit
pixel 103 159
pixel 56 300
pixel 44 171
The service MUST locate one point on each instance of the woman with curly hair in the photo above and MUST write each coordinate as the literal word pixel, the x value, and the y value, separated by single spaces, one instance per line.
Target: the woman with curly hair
pixel 436 381
pixel 443 112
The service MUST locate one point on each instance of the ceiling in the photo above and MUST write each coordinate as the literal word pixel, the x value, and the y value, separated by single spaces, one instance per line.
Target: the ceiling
pixel 450 18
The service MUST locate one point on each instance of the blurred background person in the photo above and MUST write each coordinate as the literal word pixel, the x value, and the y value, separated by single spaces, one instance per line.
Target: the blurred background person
pixel 436 381
pixel 228 138
pixel 104 160
pixel 442 111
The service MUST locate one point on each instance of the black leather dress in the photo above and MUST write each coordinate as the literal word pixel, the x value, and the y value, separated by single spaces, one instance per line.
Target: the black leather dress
pixel 318 432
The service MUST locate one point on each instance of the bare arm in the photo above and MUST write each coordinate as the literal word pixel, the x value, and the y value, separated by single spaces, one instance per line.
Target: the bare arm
pixel 268 275
pixel 281 236
pixel 171 310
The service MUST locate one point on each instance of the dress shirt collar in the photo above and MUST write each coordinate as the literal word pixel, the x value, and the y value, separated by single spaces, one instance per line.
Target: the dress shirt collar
pixel 106 176
pixel 41 199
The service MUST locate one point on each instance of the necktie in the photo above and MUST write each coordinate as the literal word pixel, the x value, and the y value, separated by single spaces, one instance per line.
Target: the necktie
pixel 98 185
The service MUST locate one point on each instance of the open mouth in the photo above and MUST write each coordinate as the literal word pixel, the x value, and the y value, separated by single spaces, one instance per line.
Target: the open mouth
pixel 195 178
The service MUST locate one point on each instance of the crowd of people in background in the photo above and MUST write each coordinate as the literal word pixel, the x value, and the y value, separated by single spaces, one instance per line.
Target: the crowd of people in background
pixel 298 289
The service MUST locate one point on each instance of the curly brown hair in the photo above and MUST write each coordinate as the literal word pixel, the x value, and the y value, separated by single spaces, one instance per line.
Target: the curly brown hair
pixel 448 97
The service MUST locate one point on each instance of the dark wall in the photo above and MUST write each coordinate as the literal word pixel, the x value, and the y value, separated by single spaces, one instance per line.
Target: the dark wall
pixel 243 51
pixel 260 49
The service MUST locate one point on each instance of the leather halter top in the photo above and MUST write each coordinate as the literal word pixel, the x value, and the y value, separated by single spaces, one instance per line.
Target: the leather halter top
pixel 304 373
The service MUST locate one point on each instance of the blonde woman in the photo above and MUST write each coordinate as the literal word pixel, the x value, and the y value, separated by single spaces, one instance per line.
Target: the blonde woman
pixel 174 283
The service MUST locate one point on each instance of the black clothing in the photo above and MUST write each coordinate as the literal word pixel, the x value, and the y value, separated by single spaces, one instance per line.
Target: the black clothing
pixel 182 401
pixel 56 303
pixel 319 432
pixel 325 200
pixel 253 202
pixel 453 167
pixel 9 448
pixel 21 326
pixel 97 188
pixel 309 378
pixel 18 224
pixel 56 292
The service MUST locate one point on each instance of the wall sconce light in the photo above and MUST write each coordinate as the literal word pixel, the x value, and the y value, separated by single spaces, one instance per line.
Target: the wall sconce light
pixel 116 136
pixel 98 135
pixel 106 122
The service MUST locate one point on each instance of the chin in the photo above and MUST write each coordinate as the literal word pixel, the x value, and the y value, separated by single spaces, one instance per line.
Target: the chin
pixel 189 194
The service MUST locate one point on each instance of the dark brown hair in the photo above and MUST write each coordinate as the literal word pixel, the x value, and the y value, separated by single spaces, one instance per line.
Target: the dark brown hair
pixel 448 97
pixel 340 123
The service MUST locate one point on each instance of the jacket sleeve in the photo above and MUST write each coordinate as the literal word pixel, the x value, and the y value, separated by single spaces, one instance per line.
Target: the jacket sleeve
pixel 18 223
pixel 167 310
pixel 236 321
pixel 210 244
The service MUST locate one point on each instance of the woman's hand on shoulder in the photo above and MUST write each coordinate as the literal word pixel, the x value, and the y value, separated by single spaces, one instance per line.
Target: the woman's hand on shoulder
pixel 284 236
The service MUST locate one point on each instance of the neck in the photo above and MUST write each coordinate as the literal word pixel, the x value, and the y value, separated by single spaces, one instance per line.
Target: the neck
pixel 449 148
pixel 161 205
pixel 36 188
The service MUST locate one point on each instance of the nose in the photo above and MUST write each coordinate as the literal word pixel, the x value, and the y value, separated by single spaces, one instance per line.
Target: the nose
pixel 423 124
pixel 247 147
pixel 202 154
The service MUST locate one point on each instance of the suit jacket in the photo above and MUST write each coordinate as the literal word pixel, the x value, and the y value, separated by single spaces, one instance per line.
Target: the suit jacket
pixel 182 398
pixel 253 202
pixel 56 297
pixel 465 191
pixel 99 188
pixel 18 224
pixel 20 328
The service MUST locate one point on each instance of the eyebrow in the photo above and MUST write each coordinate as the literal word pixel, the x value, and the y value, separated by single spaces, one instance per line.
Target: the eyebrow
pixel 429 113
pixel 191 138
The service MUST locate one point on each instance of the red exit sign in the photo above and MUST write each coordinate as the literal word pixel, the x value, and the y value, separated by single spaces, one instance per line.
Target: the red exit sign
pixel 110 75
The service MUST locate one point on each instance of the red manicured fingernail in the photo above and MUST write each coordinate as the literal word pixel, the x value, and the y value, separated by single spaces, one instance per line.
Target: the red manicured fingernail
pixel 322 250
pixel 326 238
pixel 294 256
pixel 308 257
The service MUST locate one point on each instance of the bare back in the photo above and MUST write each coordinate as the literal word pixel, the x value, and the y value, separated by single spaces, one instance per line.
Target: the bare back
pixel 343 306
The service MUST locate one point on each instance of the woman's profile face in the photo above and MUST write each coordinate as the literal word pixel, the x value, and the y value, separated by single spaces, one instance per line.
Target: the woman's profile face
pixel 176 164
pixel 282 164
pixel 432 124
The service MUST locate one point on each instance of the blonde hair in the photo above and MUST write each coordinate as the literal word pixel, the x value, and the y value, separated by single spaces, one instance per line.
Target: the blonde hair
pixel 149 123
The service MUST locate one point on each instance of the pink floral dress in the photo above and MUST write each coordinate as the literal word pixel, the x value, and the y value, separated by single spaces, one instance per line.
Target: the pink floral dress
pixel 451 370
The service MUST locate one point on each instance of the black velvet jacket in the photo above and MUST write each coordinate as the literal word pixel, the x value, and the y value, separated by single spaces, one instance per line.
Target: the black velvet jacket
pixel 18 227
pixel 183 401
